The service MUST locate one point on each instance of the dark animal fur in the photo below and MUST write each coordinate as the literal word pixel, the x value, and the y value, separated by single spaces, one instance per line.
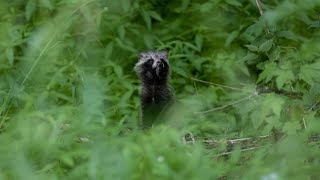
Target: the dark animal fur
pixel 156 94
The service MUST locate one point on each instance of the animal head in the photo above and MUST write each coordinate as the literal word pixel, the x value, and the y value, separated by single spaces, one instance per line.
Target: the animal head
pixel 153 64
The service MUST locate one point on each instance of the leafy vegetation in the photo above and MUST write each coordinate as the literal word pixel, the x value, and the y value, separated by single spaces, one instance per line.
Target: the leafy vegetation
pixel 69 104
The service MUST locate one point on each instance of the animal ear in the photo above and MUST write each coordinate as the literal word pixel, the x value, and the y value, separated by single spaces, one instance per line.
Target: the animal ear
pixel 142 55
pixel 164 54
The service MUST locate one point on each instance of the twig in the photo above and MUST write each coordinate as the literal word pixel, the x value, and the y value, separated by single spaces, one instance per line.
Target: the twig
pixel 259 7
pixel 259 4
pixel 242 150
pixel 265 89
pixel 219 85
pixel 304 123
pixel 314 105
pixel 227 105
pixel 246 144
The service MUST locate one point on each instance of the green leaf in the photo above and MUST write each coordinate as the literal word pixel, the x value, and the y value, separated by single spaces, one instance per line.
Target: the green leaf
pixel 199 41
pixel 46 3
pixel 315 24
pixel 185 4
pixel 155 15
pixel 197 63
pixel 268 73
pixel 292 128
pixel 250 58
pixel 310 73
pixel 121 32
pixel 108 50
pixel 266 46
pixel 10 55
pixel 86 12
pixel 147 19
pixel 67 160
pixel 30 9
pixel 125 46
pixel 181 72
pixel 312 98
pixel 231 37
pixel 273 104
pixel 125 5
pixel 234 3
pixel 287 35
pixel 283 77
pixel 256 119
pixel 118 70
pixel 268 111
pixel 252 48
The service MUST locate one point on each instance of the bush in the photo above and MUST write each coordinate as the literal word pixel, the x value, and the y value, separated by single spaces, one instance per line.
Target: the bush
pixel 69 103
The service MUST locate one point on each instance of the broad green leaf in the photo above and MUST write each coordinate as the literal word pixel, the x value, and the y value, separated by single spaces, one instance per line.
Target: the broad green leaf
pixel 270 71
pixel 250 58
pixel 310 73
pixel 273 104
pixel 283 77
pixel 266 46
pixel 252 48
pixel 292 128
pixel 288 35
pixel 270 108
pixel 312 98
pixel 315 24
pixel 257 119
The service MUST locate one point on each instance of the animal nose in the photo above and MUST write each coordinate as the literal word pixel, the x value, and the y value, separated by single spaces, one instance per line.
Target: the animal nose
pixel 158 62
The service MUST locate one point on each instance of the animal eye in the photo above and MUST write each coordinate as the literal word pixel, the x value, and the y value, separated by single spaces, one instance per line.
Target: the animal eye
pixel 150 61
pixel 162 59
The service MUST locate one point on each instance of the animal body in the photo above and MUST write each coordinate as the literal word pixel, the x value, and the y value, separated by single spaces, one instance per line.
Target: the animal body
pixel 156 95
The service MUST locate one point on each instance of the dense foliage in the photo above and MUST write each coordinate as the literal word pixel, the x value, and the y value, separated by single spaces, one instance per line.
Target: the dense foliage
pixel 69 103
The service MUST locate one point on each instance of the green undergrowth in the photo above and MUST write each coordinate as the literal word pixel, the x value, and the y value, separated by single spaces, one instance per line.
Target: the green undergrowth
pixel 69 97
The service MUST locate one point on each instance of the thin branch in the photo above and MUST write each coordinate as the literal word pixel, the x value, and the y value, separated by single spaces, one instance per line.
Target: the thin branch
pixel 304 123
pixel 259 7
pixel 242 150
pixel 227 105
pixel 266 89
pixel 219 85
pixel 259 4
pixel 38 59
pixel 314 105
pixel 245 144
